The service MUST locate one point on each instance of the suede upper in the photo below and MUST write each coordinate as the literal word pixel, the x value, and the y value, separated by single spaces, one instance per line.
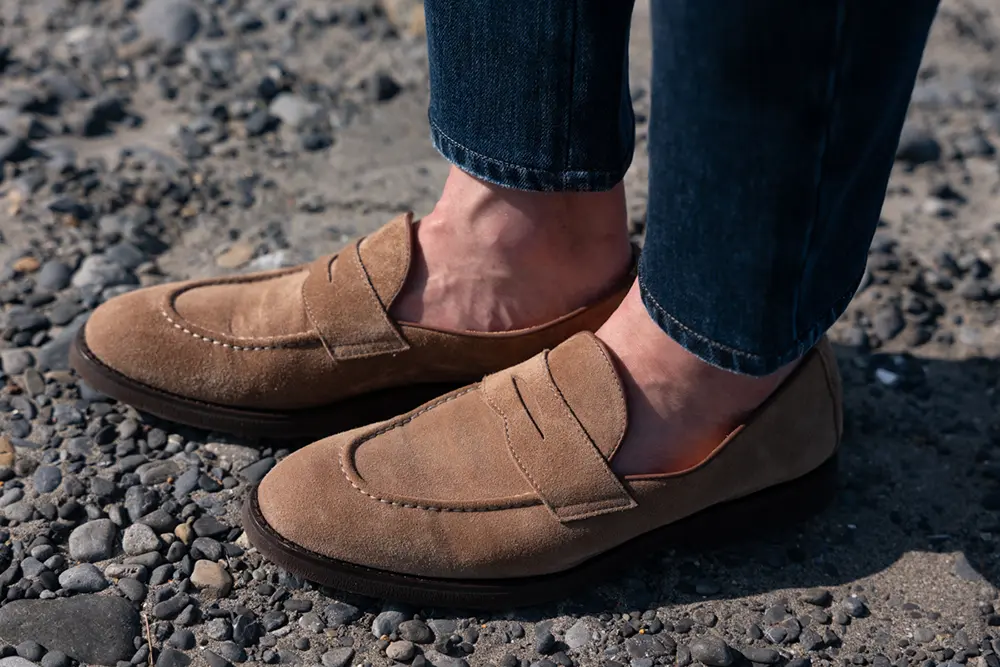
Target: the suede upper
pixel 511 477
pixel 306 336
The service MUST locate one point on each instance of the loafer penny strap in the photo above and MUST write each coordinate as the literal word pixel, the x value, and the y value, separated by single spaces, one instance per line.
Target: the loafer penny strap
pixel 345 309
pixel 549 445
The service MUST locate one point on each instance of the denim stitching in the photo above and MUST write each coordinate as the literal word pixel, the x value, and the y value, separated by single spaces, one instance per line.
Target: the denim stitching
pixel 530 170
pixel 796 348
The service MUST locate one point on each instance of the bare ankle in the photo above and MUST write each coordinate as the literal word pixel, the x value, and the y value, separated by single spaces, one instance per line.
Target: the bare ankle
pixel 680 407
pixel 490 258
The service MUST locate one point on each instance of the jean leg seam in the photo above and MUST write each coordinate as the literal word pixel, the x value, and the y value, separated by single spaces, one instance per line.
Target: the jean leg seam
pixel 502 163
pixel 795 347
pixel 831 105
pixel 568 153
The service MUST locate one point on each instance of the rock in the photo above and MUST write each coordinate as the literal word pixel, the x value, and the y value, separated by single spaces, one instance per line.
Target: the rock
pixel 712 651
pixel 383 87
pixel 236 256
pixel 441 660
pixel 53 276
pixel 761 656
pixel 295 111
pixel 254 473
pixel 209 526
pixel 917 146
pixel 854 607
pixel 84 578
pixel 338 657
pixel 388 621
pixel 93 541
pixel 172 658
pixel 98 272
pixel 923 635
pixel 47 479
pixel 15 362
pixel 578 635
pixel 157 472
pixel 139 539
pixel 810 640
pixel 650 646
pixel 401 651
pixel 6 453
pixel 339 614
pixel 212 579
pixel 415 631
pixel 259 122
pixel 236 456
pixel 89 628
pixel 172 23
pixel 15 661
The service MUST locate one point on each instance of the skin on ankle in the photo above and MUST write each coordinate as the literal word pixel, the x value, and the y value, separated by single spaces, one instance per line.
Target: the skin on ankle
pixel 494 259
pixel 680 407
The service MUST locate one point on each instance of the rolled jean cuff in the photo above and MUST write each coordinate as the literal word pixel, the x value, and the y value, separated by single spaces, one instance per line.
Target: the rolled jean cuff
pixel 519 177
pixel 742 362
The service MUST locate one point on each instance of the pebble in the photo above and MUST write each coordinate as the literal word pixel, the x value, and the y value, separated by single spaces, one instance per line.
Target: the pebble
pixel 854 607
pixel 888 322
pixel 53 276
pixel 89 628
pixel 578 635
pixel 255 472
pixel 649 646
pixel 157 472
pixel 294 111
pixel 818 597
pixel 338 657
pixel 93 541
pixel 171 22
pixel 212 579
pixel 711 650
pixel 99 272
pixel 15 362
pixel 917 146
pixel 387 622
pixel 139 539
pixel 401 651
pixel 84 578
pixel 761 656
pixel 47 479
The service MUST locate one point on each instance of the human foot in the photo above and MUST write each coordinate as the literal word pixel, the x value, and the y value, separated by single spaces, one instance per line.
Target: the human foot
pixel 680 407
pixel 495 259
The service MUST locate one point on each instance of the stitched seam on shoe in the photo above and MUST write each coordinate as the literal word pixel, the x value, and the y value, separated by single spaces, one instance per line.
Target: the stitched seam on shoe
pixel 228 346
pixel 593 449
pixel 513 452
pixel 431 508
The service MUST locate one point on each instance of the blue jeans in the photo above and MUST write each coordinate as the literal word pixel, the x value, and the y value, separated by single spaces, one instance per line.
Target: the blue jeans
pixel 773 129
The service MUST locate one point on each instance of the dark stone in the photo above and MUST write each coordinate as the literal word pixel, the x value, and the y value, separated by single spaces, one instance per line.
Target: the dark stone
pixel 712 651
pixel 89 628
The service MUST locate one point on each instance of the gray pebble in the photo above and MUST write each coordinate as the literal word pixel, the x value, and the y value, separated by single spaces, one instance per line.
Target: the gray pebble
pixel 93 541
pixel 401 651
pixel 171 22
pixel 388 621
pixel 15 362
pixel 47 479
pixel 339 614
pixel 139 539
pixel 53 276
pixel 712 651
pixel 338 657
pixel 84 578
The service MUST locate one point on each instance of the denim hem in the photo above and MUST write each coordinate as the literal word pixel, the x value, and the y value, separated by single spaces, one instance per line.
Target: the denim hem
pixel 728 358
pixel 518 177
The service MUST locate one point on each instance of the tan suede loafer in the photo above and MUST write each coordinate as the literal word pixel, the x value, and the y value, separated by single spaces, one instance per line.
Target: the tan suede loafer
pixel 502 494
pixel 300 352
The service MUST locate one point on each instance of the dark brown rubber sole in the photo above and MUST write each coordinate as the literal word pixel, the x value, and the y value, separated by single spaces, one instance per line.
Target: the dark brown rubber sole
pixel 312 423
pixel 716 526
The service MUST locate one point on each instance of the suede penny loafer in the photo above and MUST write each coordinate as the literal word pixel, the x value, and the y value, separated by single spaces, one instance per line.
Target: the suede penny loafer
pixel 301 352
pixel 502 493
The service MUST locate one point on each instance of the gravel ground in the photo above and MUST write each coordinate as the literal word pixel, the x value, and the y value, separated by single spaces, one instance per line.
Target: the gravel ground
pixel 148 141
